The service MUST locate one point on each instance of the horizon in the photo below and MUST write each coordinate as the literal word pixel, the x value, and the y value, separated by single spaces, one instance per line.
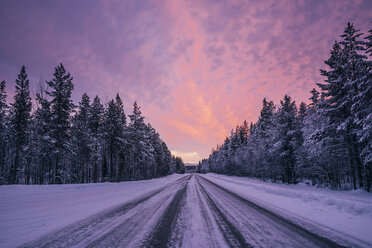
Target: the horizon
pixel 197 69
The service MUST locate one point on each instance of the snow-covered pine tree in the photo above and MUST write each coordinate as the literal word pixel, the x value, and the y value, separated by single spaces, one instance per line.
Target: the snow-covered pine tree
pixel 314 97
pixel 120 169
pixel 41 138
pixel 82 141
pixel 19 124
pixel 332 148
pixel 157 152
pixel 339 90
pixel 61 87
pixel 300 152
pixel 244 132
pixel 361 110
pixel 285 139
pixel 168 161
pixel 263 141
pixel 111 134
pixel 96 122
pixel 137 139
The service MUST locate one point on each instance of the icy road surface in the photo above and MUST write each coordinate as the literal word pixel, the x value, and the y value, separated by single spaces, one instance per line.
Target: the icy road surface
pixel 192 211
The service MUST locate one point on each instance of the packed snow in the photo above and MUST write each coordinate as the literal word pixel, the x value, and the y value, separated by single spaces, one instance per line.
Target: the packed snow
pixel 29 211
pixel 347 212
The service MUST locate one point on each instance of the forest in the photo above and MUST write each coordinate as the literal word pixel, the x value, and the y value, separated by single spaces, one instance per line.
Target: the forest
pixel 327 142
pixel 50 140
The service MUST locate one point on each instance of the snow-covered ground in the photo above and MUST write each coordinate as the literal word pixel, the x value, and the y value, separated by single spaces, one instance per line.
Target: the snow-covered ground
pixel 29 211
pixel 183 212
pixel 347 212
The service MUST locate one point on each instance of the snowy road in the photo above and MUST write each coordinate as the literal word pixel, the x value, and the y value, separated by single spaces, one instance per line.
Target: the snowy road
pixel 189 212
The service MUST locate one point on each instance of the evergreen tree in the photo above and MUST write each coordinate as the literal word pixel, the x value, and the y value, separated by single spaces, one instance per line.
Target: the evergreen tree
pixel 112 131
pixel 20 121
pixel 285 143
pixel 93 144
pixel 137 139
pixel 361 110
pixel 42 141
pixel 263 140
pixel 244 132
pixel 300 152
pixel 167 159
pixel 61 107
pixel 96 126
pixel 121 169
pixel 339 89
pixel 314 97
pixel 82 138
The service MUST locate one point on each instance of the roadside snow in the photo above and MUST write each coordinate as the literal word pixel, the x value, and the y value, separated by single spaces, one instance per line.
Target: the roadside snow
pixel 348 212
pixel 29 211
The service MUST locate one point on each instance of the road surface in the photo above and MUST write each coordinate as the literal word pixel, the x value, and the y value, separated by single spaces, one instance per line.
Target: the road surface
pixel 190 212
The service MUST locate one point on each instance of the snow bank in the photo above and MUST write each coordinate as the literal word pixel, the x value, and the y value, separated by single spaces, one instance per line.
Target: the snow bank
pixel 29 211
pixel 347 212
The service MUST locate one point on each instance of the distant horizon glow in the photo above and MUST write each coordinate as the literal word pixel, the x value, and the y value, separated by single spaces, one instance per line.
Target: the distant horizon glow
pixel 196 68
pixel 187 157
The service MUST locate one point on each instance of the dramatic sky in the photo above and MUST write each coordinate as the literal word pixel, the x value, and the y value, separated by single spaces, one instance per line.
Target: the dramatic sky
pixel 196 68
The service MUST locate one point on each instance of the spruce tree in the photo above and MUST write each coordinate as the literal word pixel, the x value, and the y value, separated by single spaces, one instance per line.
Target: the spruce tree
pixel 314 97
pixel 41 124
pixel 361 110
pixel 121 137
pixel 96 122
pixel 263 140
pixel 340 89
pixel 112 132
pixel 137 139
pixel 285 139
pixel 20 121
pixel 81 136
pixel 61 87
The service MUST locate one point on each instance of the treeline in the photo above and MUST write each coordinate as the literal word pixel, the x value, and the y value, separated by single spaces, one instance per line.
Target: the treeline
pixel 59 142
pixel 328 141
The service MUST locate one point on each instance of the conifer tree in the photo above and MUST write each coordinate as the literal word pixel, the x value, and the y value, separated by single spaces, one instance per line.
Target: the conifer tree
pixel 263 139
pixel 361 110
pixel 285 142
pixel 111 134
pixel 42 141
pixel 61 87
pixel 57 144
pixel 20 121
pixel 339 89
pixel 121 136
pixel 96 126
pixel 314 97
pixel 137 139
pixel 81 136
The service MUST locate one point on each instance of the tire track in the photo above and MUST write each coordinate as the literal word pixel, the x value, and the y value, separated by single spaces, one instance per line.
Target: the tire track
pixel 231 234
pixel 162 233
pixel 287 227
pixel 211 225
